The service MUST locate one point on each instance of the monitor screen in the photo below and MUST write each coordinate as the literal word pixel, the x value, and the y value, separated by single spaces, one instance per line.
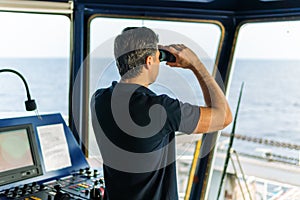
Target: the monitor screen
pixel 19 158
pixel 14 150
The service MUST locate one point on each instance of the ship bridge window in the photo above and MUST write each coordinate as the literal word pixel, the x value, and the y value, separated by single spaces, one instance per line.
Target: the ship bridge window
pixel 38 47
pixel 269 0
pixel 267 134
pixel 201 1
pixel 202 37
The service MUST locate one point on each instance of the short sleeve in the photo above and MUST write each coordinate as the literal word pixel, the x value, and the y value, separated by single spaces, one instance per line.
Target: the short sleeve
pixel 181 117
pixel 190 115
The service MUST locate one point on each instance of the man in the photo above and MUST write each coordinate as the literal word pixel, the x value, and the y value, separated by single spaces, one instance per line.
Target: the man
pixel 135 128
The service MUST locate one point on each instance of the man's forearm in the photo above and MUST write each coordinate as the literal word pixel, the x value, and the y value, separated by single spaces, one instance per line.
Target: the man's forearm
pixel 217 106
pixel 213 95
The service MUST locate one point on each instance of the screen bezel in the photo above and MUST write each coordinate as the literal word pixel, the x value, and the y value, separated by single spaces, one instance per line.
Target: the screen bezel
pixel 26 172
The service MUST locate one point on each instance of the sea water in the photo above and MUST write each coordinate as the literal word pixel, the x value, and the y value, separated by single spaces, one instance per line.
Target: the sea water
pixel 269 109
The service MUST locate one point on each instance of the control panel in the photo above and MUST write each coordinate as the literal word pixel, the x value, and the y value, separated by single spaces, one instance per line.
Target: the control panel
pixel 40 159
pixel 85 184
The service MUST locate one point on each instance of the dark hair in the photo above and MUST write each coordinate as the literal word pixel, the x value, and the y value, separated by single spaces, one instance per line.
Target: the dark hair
pixel 132 47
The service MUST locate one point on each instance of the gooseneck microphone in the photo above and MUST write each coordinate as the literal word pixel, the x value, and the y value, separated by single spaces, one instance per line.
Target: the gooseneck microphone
pixel 30 103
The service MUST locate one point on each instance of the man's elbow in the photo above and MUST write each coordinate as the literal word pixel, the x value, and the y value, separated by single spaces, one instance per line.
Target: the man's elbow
pixel 212 120
pixel 228 117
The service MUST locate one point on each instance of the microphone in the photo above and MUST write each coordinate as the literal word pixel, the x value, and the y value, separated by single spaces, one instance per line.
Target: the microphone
pixel 30 103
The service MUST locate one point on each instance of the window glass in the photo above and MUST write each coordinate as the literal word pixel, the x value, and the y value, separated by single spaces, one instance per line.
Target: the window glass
pixel 202 38
pixel 268 125
pixel 38 47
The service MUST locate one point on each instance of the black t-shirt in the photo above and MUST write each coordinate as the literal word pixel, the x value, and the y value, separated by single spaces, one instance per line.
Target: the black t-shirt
pixel 135 131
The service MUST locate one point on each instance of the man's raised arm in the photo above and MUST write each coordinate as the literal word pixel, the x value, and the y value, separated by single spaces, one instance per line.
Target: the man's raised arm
pixel 216 114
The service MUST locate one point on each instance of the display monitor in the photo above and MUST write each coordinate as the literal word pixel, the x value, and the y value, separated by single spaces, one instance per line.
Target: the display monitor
pixel 19 158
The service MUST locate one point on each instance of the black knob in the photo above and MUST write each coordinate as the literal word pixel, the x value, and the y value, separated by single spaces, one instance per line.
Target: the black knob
pixel 24 191
pixel 57 188
pixel 81 171
pixel 89 174
pixel 96 173
pixel 15 193
pixel 95 194
pixel 101 181
pixel 42 186
pixel 86 192
pixel 62 196
pixel 49 197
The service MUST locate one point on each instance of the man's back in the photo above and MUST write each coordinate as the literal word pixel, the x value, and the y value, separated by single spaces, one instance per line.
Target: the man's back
pixel 153 177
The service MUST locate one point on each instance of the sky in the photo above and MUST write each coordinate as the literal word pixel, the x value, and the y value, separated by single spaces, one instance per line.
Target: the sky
pixel 36 35
pixel 276 40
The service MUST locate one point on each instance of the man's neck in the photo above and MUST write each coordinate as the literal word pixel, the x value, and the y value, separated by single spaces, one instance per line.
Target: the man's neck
pixel 136 80
pixel 141 79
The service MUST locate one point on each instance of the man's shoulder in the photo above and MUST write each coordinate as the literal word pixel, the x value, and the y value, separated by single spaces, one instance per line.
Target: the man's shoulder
pixel 105 90
pixel 152 98
pixel 166 99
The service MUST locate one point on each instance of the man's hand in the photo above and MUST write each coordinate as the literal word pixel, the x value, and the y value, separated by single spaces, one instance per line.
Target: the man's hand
pixel 185 57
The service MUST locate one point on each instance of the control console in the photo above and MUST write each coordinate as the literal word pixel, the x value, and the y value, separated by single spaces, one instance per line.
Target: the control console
pixel 84 184
pixel 40 159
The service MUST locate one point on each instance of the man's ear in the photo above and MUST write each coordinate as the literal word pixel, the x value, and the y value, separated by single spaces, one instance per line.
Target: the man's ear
pixel 149 61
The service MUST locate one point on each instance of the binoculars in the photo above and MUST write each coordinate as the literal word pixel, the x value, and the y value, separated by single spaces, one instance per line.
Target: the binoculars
pixel 165 55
